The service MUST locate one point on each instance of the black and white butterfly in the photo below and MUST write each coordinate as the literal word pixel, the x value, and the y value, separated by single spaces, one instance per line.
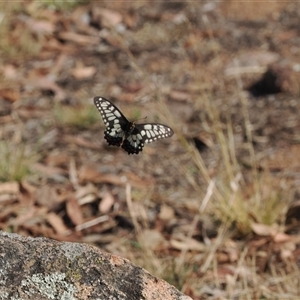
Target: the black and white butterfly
pixel 122 133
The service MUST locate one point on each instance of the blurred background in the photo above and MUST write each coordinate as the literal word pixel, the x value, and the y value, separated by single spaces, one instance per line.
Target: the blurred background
pixel 215 209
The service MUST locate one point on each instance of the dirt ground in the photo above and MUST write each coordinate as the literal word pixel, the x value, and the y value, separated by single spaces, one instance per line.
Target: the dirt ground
pixel 224 75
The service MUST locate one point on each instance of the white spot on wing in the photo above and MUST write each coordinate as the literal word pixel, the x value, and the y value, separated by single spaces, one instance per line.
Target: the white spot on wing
pixel 117 113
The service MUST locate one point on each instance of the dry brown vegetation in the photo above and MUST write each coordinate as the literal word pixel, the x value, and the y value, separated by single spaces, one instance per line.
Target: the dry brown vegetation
pixel 214 210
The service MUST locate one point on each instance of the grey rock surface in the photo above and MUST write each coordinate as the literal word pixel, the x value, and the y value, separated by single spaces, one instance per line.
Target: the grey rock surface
pixel 40 268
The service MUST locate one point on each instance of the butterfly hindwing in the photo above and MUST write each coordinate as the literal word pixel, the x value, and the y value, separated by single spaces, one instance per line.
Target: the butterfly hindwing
pixel 128 135
pixel 134 142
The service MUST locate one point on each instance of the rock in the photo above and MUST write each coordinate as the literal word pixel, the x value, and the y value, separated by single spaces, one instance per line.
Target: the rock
pixel 40 268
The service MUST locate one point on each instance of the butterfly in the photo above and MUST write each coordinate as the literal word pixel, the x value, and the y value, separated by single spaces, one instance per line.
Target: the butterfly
pixel 122 133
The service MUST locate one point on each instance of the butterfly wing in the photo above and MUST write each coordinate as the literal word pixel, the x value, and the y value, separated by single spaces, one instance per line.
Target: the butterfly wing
pixel 134 141
pixel 144 134
pixel 151 132
pixel 116 123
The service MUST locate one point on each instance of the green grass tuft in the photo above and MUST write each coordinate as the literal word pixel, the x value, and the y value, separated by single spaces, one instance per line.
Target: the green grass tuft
pixel 15 162
pixel 79 117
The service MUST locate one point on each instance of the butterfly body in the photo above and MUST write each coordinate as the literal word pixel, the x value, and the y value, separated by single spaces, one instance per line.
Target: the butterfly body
pixel 122 133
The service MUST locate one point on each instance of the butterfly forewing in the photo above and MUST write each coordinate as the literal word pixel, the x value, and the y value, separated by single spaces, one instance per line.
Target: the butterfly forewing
pixel 128 135
pixel 113 119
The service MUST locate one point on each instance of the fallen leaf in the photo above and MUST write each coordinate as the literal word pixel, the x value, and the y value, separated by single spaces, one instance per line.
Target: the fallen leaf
pixel 74 211
pixel 97 221
pixel 57 223
pixel 6 119
pixel 131 19
pixel 185 243
pixel 47 196
pixel 166 213
pixel 10 95
pixel 9 71
pixel 278 160
pixel 39 26
pixel 79 39
pixel 113 41
pixel 80 141
pixel 27 193
pixel 286 35
pixel 179 96
pixel 106 202
pixel 29 112
pixel 232 249
pixel 106 17
pixel 48 170
pixel 81 73
pixel 285 254
pixel 263 230
pixel 132 87
pixel 7 199
pixel 24 217
pixel 56 160
pixel 281 237
pixel 90 198
pixel 58 64
pixel 52 45
pixel 127 97
pixel 7 213
pixel 83 191
pixel 287 250
pixel 11 187
pixel 251 11
pixel 37 218
pixel 153 239
pixel 90 174
pixel 250 62
pixel 47 84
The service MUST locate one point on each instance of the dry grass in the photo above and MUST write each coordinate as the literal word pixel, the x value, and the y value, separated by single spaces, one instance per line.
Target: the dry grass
pixel 235 197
